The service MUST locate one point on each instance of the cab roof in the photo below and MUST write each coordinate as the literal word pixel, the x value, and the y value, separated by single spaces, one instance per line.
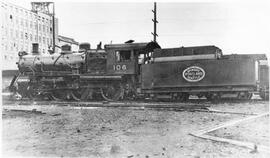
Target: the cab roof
pixel 150 46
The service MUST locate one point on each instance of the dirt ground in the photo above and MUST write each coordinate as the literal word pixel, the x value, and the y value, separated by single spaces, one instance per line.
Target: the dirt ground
pixel 65 131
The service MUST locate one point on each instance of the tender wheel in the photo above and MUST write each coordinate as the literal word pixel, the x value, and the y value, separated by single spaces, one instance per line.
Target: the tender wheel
pixel 250 95
pixel 213 97
pixel 112 92
pixel 244 95
pixel 264 95
pixel 216 97
pixel 183 96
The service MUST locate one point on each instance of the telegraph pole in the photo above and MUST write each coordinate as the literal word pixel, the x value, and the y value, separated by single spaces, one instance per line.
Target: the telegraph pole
pixel 53 23
pixel 155 22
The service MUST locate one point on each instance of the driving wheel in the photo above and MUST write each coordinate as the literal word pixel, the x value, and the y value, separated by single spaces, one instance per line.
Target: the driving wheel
pixel 112 92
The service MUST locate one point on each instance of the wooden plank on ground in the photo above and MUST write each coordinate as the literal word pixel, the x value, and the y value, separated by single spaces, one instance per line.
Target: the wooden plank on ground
pixel 234 142
pixel 201 132
pixel 229 112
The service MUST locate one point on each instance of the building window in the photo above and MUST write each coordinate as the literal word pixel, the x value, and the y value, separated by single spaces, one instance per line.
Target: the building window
pixel 11 33
pixel 31 38
pixel 36 38
pixel 26 35
pixel 10 16
pixel 15 46
pixel 44 40
pixel 6 57
pixel 6 31
pixel 35 25
pixel 17 33
pixel 6 16
pixel 7 46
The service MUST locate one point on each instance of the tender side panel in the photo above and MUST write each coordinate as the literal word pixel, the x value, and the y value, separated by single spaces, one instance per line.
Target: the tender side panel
pixel 199 73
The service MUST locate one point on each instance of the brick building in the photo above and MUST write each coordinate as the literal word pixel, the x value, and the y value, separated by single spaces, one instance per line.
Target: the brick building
pixel 20 28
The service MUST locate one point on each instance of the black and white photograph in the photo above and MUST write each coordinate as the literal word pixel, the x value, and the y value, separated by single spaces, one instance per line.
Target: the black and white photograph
pixel 135 79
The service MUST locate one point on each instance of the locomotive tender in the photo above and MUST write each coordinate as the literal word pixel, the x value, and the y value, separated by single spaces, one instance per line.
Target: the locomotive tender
pixel 133 70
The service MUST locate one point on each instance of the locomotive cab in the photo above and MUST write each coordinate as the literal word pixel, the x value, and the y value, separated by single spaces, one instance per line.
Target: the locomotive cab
pixel 124 59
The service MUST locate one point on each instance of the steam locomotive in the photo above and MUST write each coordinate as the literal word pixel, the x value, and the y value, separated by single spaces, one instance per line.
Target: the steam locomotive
pixel 140 70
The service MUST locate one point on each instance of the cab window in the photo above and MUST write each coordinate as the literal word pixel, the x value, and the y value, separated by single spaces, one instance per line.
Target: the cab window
pixel 123 55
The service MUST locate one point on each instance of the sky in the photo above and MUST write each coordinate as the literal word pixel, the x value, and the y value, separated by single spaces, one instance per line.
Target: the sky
pixel 238 27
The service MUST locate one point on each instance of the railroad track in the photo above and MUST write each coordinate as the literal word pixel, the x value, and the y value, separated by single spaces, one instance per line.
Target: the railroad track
pixel 193 105
pixel 104 104
pixel 107 104
pixel 189 106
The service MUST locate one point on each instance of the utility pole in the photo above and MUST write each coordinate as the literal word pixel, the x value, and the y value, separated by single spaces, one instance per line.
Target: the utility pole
pixel 155 22
pixel 53 23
